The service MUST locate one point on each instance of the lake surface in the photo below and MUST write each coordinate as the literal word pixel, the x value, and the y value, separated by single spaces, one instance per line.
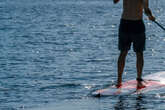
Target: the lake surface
pixel 54 53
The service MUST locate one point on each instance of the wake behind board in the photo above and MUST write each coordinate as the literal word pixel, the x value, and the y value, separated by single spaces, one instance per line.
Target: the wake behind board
pixel 152 82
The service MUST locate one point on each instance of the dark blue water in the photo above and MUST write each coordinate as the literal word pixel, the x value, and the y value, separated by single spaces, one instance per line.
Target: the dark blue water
pixel 54 53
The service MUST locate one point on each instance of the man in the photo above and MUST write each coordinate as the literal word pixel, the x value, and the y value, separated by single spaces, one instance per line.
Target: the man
pixel 132 30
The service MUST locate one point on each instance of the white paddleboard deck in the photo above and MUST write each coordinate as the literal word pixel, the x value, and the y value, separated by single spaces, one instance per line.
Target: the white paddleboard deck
pixel 152 82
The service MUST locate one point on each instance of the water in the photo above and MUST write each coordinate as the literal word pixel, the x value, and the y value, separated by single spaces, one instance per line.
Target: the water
pixel 54 53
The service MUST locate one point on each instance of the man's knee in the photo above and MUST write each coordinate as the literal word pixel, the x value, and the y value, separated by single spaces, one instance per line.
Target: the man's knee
pixel 139 54
pixel 123 53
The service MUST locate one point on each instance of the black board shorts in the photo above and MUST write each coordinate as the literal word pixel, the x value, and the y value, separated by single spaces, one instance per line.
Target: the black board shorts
pixel 131 31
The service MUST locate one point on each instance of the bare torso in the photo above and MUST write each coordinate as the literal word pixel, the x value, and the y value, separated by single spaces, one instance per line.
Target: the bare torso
pixel 132 9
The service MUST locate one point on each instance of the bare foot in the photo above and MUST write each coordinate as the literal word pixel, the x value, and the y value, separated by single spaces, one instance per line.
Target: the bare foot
pixel 140 85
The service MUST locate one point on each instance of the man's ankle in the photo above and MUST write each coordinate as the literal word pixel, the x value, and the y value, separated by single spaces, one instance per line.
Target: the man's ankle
pixel 118 85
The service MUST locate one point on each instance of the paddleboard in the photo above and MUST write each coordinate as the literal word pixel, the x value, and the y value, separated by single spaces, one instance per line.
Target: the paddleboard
pixel 152 82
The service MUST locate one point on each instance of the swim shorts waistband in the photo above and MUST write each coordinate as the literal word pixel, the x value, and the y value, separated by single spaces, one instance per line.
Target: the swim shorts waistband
pixel 132 26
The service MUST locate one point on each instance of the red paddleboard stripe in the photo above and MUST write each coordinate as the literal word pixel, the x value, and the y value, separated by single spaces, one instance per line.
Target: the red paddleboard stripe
pixel 133 83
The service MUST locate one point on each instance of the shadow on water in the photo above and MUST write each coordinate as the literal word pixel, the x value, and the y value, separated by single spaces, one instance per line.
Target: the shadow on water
pixel 123 102
pixel 136 103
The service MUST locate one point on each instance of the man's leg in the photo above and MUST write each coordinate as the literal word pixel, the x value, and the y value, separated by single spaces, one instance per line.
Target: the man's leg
pixel 139 66
pixel 121 64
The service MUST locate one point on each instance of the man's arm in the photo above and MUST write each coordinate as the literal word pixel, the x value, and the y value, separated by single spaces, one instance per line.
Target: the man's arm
pixel 116 1
pixel 147 10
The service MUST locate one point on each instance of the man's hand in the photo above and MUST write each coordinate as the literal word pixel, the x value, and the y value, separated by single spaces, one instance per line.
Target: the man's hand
pixel 152 18
pixel 116 1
